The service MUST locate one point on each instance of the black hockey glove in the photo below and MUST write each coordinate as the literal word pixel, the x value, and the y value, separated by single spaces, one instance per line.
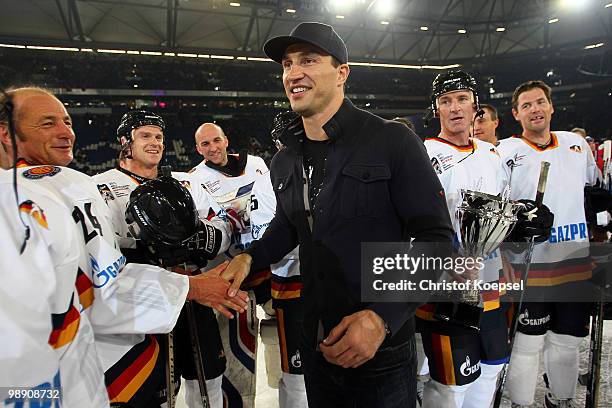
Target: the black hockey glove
pixel 533 222
pixel 206 243
pixel 597 199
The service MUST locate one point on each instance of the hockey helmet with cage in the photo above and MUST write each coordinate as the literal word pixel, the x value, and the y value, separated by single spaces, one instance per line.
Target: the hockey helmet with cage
pixel 135 119
pixel 281 121
pixel 162 211
pixel 453 81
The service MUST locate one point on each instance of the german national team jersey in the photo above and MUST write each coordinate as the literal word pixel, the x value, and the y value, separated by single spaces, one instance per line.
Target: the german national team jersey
pixel 286 280
pixel 121 301
pixel 475 167
pixel 565 256
pixel 115 186
pixel 42 330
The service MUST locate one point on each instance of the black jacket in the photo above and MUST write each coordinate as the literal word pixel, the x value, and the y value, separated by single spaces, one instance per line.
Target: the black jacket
pixel 379 186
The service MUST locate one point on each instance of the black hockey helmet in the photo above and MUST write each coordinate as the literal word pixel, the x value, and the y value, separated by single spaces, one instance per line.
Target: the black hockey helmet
pixel 135 119
pixel 281 121
pixel 162 211
pixel 453 81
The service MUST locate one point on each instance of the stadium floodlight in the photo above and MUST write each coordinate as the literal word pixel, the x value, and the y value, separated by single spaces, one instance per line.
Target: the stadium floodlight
pixel 339 16
pixel 384 7
pixel 290 10
pixel 86 50
pixel 41 47
pixel 574 4
pixel 12 46
pixel 462 31
pixel 223 57
pixel 500 29
pixel 384 22
pixel 150 53
pixel 591 46
pixel 259 59
pixel 235 4
pixel 553 21
pixel 608 5
pixel 203 56
pixel 133 52
pixel 106 51
pixel 341 5
pixel 186 55
pixel 424 28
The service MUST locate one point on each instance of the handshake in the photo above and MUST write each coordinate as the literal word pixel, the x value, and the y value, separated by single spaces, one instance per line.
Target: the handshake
pixel 211 289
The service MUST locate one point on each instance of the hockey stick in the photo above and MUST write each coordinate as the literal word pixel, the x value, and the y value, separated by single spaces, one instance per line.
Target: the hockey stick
pixel 544 167
pixel 197 352
pixel 170 369
pixel 595 345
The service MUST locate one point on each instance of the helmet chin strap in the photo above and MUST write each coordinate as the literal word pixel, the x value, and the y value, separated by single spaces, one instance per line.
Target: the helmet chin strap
pixel 9 108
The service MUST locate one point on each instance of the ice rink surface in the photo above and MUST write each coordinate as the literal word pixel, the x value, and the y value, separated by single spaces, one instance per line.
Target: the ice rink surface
pixel 268 397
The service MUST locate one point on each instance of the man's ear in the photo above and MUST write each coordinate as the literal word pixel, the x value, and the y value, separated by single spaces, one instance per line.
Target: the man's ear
pixel 515 113
pixel 343 73
pixel 5 137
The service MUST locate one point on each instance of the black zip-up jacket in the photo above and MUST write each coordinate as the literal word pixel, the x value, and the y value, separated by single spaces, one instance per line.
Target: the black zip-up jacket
pixel 379 186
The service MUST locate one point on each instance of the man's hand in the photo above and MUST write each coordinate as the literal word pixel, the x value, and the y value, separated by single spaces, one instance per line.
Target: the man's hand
pixel 467 274
pixel 533 221
pixel 210 289
pixel 355 340
pixel 236 272
pixel 508 270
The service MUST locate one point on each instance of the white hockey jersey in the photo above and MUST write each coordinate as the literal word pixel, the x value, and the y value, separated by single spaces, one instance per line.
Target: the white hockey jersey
pixel 565 256
pixel 286 280
pixel 476 167
pixel 115 186
pixel 233 194
pixel 35 286
pixel 121 301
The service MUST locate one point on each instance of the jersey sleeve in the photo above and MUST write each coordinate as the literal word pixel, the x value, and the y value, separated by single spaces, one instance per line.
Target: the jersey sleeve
pixel 29 293
pixel 208 209
pixel 132 298
pixel 593 173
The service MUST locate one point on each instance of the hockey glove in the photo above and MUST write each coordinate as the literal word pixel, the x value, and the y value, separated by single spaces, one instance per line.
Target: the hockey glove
pixel 205 244
pixel 597 199
pixel 533 222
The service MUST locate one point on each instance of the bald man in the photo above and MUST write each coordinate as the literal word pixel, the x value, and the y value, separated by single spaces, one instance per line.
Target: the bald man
pixel 229 179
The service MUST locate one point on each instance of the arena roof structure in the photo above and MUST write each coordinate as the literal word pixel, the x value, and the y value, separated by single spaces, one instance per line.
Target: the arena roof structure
pixel 419 32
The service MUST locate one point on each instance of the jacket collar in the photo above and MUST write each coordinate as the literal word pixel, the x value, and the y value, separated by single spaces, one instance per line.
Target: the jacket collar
pixel 335 128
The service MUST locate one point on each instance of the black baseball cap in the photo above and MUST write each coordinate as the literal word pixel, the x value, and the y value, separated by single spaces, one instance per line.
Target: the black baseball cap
pixel 318 34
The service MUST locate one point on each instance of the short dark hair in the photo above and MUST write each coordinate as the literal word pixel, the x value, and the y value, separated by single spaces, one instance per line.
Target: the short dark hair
pixel 491 109
pixel 528 86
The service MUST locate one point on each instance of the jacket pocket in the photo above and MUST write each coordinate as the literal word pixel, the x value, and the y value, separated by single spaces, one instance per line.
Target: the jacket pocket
pixel 365 190
pixel 280 183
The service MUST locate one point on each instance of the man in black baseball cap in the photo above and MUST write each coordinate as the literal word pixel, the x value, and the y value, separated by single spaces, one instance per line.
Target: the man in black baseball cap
pixel 340 180
pixel 321 35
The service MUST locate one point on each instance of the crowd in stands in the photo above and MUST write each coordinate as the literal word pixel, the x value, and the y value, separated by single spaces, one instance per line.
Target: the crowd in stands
pixel 247 120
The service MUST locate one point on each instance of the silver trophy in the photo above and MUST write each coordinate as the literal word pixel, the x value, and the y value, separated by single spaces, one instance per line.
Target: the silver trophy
pixel 484 221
